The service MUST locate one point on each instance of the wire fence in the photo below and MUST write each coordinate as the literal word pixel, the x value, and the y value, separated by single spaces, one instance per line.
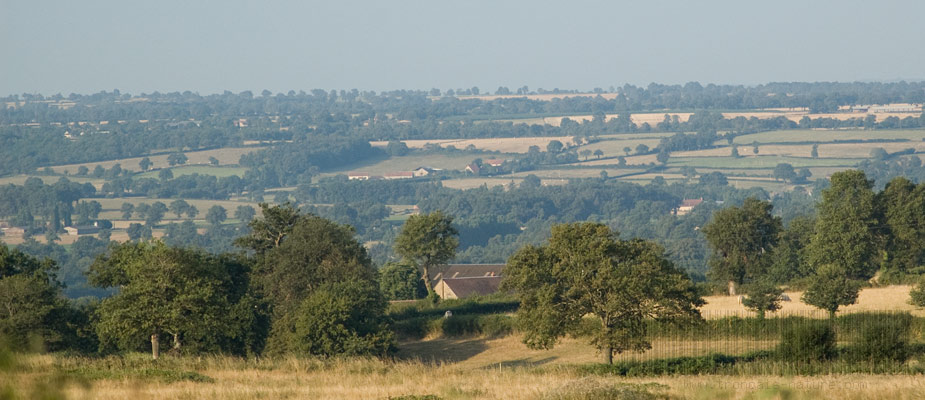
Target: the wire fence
pixel 732 333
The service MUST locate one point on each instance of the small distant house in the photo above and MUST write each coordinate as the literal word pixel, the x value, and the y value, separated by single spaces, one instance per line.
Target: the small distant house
pixel 399 175
pixel 473 169
pixel 14 231
pixel 82 230
pixel 687 205
pixel 358 176
pixel 240 123
pixel 422 171
pixel 494 162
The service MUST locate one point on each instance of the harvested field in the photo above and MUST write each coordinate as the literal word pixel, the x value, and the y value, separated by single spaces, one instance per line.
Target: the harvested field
pixel 220 172
pixel 890 298
pixel 504 145
pixel 471 183
pixel 807 135
pixel 408 163
pixel 631 160
pixel 760 162
pixel 566 173
pixel 225 156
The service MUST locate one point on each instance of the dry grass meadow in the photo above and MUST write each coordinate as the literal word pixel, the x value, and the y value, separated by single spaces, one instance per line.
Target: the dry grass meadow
pixel 463 368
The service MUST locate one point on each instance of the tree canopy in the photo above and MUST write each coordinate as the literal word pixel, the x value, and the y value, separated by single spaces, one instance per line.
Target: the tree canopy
pixel 585 270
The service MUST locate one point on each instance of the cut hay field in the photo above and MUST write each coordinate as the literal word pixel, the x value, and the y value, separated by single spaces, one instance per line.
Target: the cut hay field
pixel 567 173
pixel 760 162
pixel 408 163
pixel 504 145
pixel 808 135
pixel 48 180
pixel 225 156
pixel 220 172
pixel 890 298
pixel 471 183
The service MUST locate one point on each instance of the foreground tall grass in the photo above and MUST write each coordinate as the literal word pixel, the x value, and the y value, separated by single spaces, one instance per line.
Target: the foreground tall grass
pixel 297 378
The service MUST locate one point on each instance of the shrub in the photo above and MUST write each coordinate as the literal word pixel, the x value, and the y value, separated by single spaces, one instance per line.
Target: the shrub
pixel 883 340
pixel 811 341
pixel 917 294
pixel 590 389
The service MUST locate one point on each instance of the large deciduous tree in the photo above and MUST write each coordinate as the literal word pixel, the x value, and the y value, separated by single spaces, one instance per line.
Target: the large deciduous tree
pixel 845 226
pixel 427 241
pixel 192 296
pixel 742 239
pixel 903 206
pixel 29 298
pixel 584 271
pixel 319 283
pixel 830 288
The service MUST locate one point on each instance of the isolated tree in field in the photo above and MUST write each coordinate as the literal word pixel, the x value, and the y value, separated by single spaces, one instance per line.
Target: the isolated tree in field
pixel 127 210
pixel 762 296
pixel 585 270
pixel 642 149
pixel 598 153
pixel 845 223
pixel 688 172
pixel 742 239
pixel 621 161
pixel 216 215
pixel 176 159
pixel 735 152
pixel 182 293
pixel 831 288
pixel 165 174
pixel 662 156
pixel 179 207
pixel 627 150
pixel 585 153
pixel 554 146
pixel 245 213
pixel 145 164
pixel 83 170
pixel 192 212
pixel 213 161
pixel 814 153
pixel 427 241
pixel 98 171
pixel 137 231
pixel 155 213
pixel 784 172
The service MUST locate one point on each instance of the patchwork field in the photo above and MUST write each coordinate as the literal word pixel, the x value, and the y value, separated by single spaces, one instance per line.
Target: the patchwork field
pixel 504 145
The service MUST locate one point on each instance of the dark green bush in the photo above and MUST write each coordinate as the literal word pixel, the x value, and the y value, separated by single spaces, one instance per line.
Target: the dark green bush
pixel 917 294
pixel 809 341
pixel 712 364
pixel 883 340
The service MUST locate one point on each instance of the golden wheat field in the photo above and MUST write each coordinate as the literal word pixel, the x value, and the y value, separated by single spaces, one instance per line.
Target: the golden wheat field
pixel 889 298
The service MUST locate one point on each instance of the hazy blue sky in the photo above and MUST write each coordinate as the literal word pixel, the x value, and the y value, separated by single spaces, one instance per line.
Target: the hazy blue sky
pixel 210 46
